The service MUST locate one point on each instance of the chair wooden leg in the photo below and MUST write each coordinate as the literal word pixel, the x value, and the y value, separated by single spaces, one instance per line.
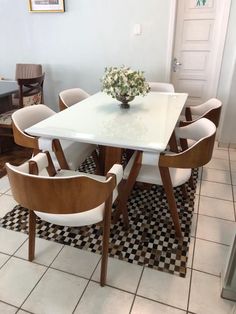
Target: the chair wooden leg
pixel 97 163
pixel 105 241
pixel 191 182
pixel 173 143
pixel 32 228
pixel 58 151
pixel 188 114
pixel 126 189
pixel 167 184
pixel 184 191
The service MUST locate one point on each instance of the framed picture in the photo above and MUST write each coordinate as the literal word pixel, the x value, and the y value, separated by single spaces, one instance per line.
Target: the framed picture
pixel 46 6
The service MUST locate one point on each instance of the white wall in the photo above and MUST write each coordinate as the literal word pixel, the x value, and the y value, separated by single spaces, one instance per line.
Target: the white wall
pixel 227 84
pixel 75 46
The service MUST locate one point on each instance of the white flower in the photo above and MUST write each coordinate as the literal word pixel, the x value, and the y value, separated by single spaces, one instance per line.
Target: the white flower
pixel 124 82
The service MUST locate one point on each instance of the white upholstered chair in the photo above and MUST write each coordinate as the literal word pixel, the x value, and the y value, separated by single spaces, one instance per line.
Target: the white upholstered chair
pixel 171 169
pixel 70 97
pixel 161 87
pixel 64 198
pixel 210 109
pixel 69 154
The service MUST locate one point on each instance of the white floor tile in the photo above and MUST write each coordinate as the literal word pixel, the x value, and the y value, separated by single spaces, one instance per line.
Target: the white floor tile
pixel 4 184
pixel 3 259
pixel 7 203
pixel 8 192
pixel 57 292
pixel 121 274
pixel 45 251
pixel 196 202
pixel 220 154
pixel 218 146
pixel 165 288
pixel 198 187
pixel 194 225
pixel 210 257
pixel 216 230
pixel 234 191
pixel 22 312
pixel 17 279
pixel 232 154
pixel 144 306
pixel 233 165
pixel 205 295
pixel 233 173
pixel 105 300
pixel 76 261
pixel 216 175
pixel 190 252
pixel 216 190
pixel 7 309
pixel 216 208
pixel 220 164
pixel 10 241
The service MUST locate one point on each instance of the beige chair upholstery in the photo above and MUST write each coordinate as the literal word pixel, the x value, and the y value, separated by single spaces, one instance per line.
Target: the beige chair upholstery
pixel 70 97
pixel 211 109
pixel 27 70
pixel 161 87
pixel 75 152
pixel 172 169
pixel 64 198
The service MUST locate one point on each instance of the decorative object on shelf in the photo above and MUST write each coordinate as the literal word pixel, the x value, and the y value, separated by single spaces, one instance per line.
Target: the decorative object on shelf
pixel 124 84
pixel 201 3
pixel 46 6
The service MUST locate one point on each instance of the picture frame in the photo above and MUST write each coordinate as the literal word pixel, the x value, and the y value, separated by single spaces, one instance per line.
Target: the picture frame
pixel 47 6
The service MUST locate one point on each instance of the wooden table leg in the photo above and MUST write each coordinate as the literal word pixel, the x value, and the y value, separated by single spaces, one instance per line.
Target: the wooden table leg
pixel 108 157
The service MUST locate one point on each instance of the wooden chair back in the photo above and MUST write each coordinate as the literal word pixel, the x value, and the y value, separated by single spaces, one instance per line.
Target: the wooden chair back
pixel 211 110
pixel 203 131
pixel 28 70
pixel 70 97
pixel 30 87
pixel 25 118
pixel 57 195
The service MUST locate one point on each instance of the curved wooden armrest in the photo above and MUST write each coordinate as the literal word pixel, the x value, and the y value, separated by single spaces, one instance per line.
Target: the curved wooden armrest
pixel 195 156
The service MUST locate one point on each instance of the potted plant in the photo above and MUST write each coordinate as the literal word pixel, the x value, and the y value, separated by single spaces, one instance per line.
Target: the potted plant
pixel 124 84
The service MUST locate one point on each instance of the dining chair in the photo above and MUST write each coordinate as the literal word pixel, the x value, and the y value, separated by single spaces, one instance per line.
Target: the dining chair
pixel 64 198
pixel 70 155
pixel 30 93
pixel 170 169
pixel 161 87
pixel 211 109
pixel 26 71
pixel 70 97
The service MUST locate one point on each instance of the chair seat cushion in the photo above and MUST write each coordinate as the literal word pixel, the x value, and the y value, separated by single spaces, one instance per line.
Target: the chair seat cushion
pixel 81 219
pixel 149 173
pixel 5 117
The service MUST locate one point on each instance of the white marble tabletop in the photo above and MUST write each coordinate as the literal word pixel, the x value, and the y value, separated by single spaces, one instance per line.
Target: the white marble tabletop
pixel 147 125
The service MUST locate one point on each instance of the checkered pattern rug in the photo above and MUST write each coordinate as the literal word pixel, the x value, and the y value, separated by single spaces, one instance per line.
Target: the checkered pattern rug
pixel 149 241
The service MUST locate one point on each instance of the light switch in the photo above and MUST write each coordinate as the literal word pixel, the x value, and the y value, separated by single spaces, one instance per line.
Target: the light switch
pixel 137 29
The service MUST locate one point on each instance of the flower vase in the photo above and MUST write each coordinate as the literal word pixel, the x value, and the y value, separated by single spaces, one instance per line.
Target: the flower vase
pixel 124 101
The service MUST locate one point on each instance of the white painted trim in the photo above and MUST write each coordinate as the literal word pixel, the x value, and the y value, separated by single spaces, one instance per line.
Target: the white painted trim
pixel 221 32
pixel 170 40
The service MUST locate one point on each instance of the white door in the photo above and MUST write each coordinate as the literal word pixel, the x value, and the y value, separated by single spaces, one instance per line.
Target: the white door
pixel 201 27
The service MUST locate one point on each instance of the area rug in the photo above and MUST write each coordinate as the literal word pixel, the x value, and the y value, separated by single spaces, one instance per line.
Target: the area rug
pixel 149 241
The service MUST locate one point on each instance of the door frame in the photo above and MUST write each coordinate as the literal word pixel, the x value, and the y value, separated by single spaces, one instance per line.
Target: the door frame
pixel 222 33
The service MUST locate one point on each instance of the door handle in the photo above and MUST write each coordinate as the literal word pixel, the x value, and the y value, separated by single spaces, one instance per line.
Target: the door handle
pixel 176 64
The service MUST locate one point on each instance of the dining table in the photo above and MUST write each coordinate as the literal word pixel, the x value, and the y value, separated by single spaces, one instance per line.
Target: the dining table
pixel 146 125
pixel 7 88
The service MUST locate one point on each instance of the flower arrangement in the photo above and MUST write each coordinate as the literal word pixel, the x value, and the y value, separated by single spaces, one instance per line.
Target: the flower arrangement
pixel 124 84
